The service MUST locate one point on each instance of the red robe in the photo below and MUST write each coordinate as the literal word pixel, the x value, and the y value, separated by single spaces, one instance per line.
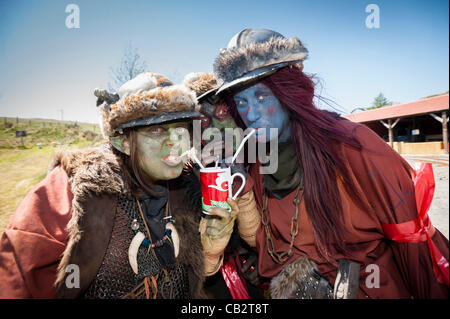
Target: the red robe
pixel 385 179
pixel 32 244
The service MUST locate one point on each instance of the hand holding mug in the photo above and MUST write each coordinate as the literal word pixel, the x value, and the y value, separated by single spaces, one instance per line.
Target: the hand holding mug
pixel 217 227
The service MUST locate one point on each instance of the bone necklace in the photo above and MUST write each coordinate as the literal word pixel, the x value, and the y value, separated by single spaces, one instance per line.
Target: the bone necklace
pixel 139 239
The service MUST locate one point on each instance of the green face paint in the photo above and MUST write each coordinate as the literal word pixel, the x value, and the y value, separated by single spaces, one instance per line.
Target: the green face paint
pixel 218 119
pixel 159 148
pixel 221 125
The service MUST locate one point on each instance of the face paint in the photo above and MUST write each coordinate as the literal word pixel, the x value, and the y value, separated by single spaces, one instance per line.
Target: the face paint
pixel 205 121
pixel 221 113
pixel 261 110
pixel 159 147
pixel 220 119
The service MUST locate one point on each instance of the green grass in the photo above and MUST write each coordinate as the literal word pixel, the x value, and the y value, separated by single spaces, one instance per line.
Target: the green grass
pixel 21 168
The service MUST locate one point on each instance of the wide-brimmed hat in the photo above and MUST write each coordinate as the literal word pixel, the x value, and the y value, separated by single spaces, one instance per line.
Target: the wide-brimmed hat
pixel 147 99
pixel 256 53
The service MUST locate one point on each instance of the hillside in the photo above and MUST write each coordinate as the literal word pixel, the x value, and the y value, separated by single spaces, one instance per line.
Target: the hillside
pixel 22 167
pixel 45 132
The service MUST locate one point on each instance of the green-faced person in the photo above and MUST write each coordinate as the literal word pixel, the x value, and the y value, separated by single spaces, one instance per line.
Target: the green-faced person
pixel 159 148
pixel 121 221
pixel 218 228
pixel 215 119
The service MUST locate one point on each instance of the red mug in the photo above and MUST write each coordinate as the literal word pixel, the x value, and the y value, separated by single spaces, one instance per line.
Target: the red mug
pixel 215 187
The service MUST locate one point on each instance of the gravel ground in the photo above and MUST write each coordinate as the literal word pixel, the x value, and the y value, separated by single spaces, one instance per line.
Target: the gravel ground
pixel 439 213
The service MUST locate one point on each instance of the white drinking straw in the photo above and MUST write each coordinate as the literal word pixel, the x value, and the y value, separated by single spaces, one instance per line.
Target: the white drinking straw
pixel 241 146
pixel 192 153
pixel 217 162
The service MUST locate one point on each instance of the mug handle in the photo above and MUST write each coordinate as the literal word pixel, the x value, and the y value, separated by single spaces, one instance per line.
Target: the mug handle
pixel 231 185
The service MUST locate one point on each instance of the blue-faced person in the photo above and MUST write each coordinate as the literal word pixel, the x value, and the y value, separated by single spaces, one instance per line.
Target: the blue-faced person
pixel 260 109
pixel 322 176
pixel 241 68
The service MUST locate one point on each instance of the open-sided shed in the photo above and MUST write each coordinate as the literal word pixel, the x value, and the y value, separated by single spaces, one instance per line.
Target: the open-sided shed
pixel 418 122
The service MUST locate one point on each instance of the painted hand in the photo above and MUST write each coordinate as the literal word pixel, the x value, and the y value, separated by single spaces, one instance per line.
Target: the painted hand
pixel 216 228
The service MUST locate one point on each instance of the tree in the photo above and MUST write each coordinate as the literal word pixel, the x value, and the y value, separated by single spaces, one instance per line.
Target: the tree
pixel 131 65
pixel 378 102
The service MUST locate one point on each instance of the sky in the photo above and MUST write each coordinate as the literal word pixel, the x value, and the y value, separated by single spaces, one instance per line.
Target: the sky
pixel 46 67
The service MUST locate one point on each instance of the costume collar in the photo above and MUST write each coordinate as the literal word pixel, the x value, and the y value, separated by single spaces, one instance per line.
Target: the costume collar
pixel 288 176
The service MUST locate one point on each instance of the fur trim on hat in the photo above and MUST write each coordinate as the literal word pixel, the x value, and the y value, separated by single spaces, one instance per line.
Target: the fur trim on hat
pixel 200 82
pixel 143 82
pixel 234 63
pixel 173 98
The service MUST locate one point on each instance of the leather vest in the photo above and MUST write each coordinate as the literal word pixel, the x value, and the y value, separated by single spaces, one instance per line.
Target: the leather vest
pixel 115 277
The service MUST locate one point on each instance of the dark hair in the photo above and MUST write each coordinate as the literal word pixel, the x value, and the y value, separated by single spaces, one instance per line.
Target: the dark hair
pixel 320 161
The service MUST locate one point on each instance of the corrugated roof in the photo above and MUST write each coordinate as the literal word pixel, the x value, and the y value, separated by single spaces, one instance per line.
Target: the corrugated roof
pixel 429 105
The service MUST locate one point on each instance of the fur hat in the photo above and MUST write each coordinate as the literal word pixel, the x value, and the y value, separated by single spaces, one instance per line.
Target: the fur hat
pixel 205 86
pixel 254 53
pixel 147 99
pixel 200 82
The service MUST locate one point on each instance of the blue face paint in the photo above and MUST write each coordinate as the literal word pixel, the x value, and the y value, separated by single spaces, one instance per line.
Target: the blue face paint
pixel 260 109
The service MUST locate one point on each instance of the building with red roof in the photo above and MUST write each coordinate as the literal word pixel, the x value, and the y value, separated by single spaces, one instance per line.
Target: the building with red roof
pixel 415 127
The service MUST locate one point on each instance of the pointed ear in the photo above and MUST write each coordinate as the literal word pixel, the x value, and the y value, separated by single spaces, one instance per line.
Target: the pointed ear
pixel 121 144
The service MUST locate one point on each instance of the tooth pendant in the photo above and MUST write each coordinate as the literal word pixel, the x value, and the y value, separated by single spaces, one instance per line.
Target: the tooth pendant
pixel 133 251
pixel 139 238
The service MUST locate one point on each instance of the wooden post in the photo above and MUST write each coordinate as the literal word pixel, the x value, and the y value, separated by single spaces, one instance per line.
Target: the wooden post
pixel 390 126
pixel 445 132
pixel 443 120
pixel 391 133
